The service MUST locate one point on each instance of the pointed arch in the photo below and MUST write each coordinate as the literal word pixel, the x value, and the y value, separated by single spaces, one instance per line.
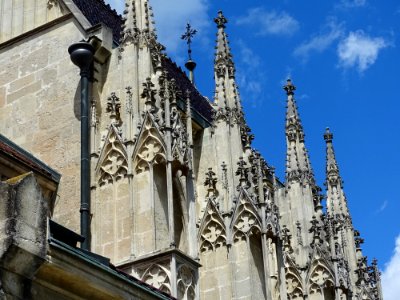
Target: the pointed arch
pixel 246 220
pixel 293 279
pixel 112 164
pixel 150 146
pixel 212 232
pixel 186 282
pixel 320 278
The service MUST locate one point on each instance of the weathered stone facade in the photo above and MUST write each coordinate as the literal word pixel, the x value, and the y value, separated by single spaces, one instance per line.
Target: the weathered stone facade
pixel 179 198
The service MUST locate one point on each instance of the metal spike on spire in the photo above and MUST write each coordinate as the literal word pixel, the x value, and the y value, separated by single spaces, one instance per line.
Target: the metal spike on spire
pixel 188 36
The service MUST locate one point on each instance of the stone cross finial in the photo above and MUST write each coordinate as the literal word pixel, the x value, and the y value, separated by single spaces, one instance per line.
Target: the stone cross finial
pixel 220 20
pixel 289 87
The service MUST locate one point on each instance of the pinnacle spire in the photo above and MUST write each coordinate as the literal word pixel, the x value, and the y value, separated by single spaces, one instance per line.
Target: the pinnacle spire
pixel 226 88
pixel 138 20
pixel 298 167
pixel 336 200
pixel 223 56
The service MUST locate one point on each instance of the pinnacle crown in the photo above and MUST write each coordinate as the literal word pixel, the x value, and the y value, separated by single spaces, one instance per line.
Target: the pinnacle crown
pixel 289 87
pixel 220 20
pixel 328 135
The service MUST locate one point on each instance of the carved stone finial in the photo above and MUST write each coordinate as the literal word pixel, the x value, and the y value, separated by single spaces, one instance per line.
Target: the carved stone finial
pixel 113 106
pixel 286 237
pixel 299 238
pixel 174 91
pixel 315 230
pixel 242 172
pixel 129 104
pixel 289 87
pixel 93 114
pixel 357 239
pixel 210 182
pixel 220 20
pixel 328 136
pixel 224 175
pixel 246 136
pixel 149 94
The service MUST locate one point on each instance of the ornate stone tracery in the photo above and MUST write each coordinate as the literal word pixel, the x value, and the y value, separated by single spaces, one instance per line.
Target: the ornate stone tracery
pixel 158 275
pixel 212 233
pixel 246 220
pixel 150 148
pixel 320 276
pixel 112 164
pixel 186 283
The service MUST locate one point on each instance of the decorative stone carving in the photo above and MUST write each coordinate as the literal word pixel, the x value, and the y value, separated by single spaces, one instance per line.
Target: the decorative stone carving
pixel 156 51
pixel 210 183
pixel 286 238
pixel 179 138
pixel 316 230
pixel 246 136
pixel 212 233
pixel 320 275
pixel 112 164
pixel 150 147
pixel 246 220
pixel 159 276
pixel 293 285
pixel 51 3
pixel 113 107
pixel 243 172
pixel 129 100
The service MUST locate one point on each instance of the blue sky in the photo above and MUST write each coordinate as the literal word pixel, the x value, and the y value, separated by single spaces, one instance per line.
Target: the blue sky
pixel 343 57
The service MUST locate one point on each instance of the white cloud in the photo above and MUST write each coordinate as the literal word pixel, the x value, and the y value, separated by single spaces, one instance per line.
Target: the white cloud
pixel 171 17
pixel 269 22
pixel 390 276
pixel 329 34
pixel 352 3
pixel 382 207
pixel 359 50
pixel 249 74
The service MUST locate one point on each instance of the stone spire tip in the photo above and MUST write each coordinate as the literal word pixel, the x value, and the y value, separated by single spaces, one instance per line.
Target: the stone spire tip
pixel 220 20
pixel 289 87
pixel 328 135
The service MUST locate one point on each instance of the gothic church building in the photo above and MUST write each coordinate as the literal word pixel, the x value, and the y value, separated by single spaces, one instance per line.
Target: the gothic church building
pixel 180 202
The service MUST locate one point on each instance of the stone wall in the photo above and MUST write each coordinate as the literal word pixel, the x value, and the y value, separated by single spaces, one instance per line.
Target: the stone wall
pixel 39 107
pixel 20 16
